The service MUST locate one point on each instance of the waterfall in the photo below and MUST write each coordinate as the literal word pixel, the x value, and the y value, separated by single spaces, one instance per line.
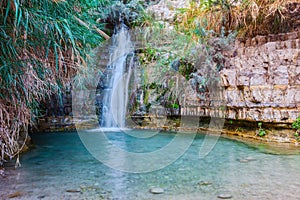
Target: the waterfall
pixel 118 71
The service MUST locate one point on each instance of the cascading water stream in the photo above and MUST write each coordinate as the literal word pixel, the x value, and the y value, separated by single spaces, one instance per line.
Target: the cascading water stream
pixel 115 93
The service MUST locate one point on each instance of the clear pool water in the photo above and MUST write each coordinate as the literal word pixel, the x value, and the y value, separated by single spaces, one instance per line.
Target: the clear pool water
pixel 59 167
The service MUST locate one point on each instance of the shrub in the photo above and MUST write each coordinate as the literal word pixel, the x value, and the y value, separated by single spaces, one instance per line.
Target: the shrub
pixel 249 17
pixel 261 132
pixel 296 125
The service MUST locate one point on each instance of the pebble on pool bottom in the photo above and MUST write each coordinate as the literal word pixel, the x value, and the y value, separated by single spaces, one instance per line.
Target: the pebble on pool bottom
pixel 224 196
pixel 156 190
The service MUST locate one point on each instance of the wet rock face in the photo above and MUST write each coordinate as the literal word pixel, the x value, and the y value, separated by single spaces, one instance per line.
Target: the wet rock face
pixel 262 78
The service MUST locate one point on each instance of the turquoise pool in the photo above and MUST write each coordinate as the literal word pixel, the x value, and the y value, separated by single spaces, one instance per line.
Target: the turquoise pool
pixel 60 167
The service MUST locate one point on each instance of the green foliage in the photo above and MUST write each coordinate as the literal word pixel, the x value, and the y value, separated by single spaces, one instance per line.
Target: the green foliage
pixel 261 132
pixel 43 43
pixel 185 68
pixel 37 32
pixel 296 125
pixel 195 52
pixel 175 105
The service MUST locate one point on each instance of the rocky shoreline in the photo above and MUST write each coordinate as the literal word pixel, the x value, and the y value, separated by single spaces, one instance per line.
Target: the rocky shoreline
pixel 276 133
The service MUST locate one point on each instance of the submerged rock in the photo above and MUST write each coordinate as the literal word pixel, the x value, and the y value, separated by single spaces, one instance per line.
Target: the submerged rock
pixel 14 195
pixel 2 173
pixel 224 196
pixel 204 183
pixel 250 158
pixel 156 190
pixel 243 160
pixel 73 191
pixel 247 159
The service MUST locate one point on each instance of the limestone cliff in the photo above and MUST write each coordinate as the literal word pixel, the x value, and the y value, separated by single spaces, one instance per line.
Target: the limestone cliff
pixel 261 79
